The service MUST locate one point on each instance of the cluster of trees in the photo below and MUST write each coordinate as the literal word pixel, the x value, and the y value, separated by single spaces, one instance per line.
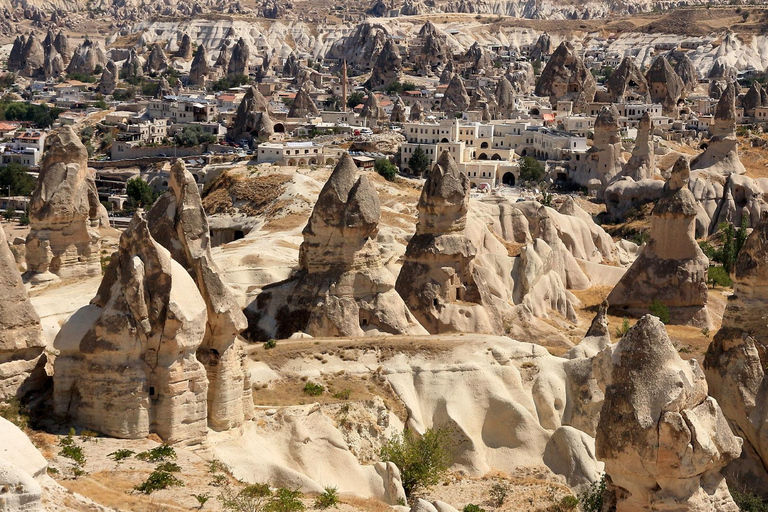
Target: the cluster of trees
pixel 41 116
pixel 192 136
pixel 732 239
pixel 228 82
pixel 386 169
pixel 140 194
pixel 397 87
pixel 15 179
pixel 531 170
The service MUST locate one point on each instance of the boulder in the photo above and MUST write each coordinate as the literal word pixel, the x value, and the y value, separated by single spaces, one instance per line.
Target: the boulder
pixel 671 268
pixel 21 336
pixel 663 440
pixel 127 365
pixel 64 212
pixel 178 222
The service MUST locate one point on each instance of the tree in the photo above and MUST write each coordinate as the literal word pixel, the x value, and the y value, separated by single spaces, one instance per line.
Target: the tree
pixel 17 178
pixel 422 461
pixel 741 235
pixel 419 162
pixel 728 252
pixel 355 99
pixel 139 193
pixel 531 170
pixel 192 136
pixel 386 169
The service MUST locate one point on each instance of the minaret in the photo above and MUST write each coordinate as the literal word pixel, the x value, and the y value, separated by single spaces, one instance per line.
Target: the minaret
pixel 344 86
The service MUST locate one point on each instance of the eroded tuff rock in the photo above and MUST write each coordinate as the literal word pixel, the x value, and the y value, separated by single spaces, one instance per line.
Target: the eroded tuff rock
pixel 642 163
pixel 542 48
pixel 388 67
pixel 627 83
pixel 663 440
pixel 198 70
pixel 755 97
pixel 565 77
pixel 343 288
pixel 398 111
pixel 361 47
pixel 605 158
pixel 478 59
pixel 671 268
pixel 238 62
pixel 685 70
pixel 177 221
pixel 127 364
pixel 109 78
pixel 435 53
pixel 30 57
pixel 303 105
pixel 722 153
pixel 372 110
pixel 21 336
pixel 157 62
pixel 132 67
pixel 87 57
pixel 665 85
pixel 252 119
pixel 417 113
pixel 505 97
pixel 185 48
pixel 456 98
pixel 443 285
pixel 735 360
pixel 64 212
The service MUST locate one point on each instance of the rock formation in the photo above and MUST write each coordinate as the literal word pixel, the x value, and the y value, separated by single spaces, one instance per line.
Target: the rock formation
pixel 666 86
pixel 388 67
pixel 223 59
pixel 64 212
pixel 31 57
pixel 435 53
pixel 157 62
pixel 127 364
pixel 132 67
pixel 443 286
pixel 252 118
pixel 565 77
pixel 505 97
pixel 343 288
pixel 361 47
pixel 627 83
pixel 398 111
pixel 303 105
pixel 417 113
pixel 477 58
pixel 414 8
pixel 372 110
pixel 722 153
pixel 109 78
pixel 87 57
pixel 735 360
pixel 663 440
pixel 755 97
pixel 61 44
pixel 604 157
pixel 685 70
pixel 380 8
pixel 671 268
pixel 198 71
pixel 271 9
pixel 238 62
pixel 542 48
pixel 177 221
pixel 185 48
pixel 456 99
pixel 642 164
pixel 521 76
pixel 21 337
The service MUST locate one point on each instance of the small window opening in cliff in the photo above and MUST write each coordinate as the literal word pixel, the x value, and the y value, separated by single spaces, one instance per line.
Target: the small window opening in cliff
pixel 239 234
pixel 152 391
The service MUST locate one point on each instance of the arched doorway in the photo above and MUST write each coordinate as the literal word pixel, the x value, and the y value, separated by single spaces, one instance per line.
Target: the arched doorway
pixel 291 162
pixel 508 179
pixel 482 156
pixel 444 140
pixel 302 162
pixel 279 128
pixel 496 156
pixel 312 161
pixel 484 145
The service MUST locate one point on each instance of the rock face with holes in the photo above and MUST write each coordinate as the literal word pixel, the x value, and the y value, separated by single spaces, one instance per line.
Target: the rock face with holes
pixel 343 288
pixel 722 153
pixel 127 364
pixel 627 83
pixel 671 269
pixel 442 281
pixel 456 98
pixel 21 337
pixel 664 441
pixel 604 160
pixel 303 105
pixel 388 67
pixel 735 360
pixel 252 118
pixel 665 85
pixel 156 62
pixel 642 163
pixel 565 77
pixel 198 70
pixel 177 221
pixel 238 62
pixel 109 78
pixel 64 213
pixel 86 58
pixel 372 110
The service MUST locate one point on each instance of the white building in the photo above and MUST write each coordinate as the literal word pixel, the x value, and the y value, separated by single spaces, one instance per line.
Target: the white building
pixel 297 153
pixel 26 148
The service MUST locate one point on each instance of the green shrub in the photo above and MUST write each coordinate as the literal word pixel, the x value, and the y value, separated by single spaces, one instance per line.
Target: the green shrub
pixel 329 498
pixel 158 454
pixel 422 461
pixel 285 500
pixel 218 481
pixel 386 169
pixel 70 450
pixel 591 498
pixel 120 455
pixel 169 467
pixel 531 170
pixel 471 507
pixel 344 394
pixel 623 328
pixel 202 499
pixel 748 501
pixel 249 499
pixel 269 344
pixel 14 412
pixel 717 276
pixel 313 389
pixel 499 492
pixel 568 503
pixel 157 481
pixel 660 310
